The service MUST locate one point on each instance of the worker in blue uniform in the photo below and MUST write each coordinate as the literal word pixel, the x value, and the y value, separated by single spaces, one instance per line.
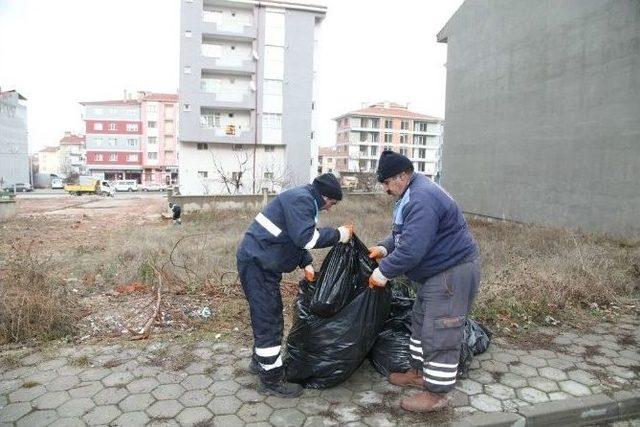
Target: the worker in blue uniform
pixel 277 241
pixel 431 244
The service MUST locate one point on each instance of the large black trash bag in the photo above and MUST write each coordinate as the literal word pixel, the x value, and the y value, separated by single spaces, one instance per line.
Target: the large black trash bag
pixel 324 351
pixel 476 340
pixel 390 353
pixel 345 268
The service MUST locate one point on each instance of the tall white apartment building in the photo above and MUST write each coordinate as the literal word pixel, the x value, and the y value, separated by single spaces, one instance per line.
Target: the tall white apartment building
pixel 246 95
pixel 361 136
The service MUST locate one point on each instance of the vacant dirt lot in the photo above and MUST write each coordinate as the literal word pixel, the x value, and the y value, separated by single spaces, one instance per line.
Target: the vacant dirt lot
pixel 89 268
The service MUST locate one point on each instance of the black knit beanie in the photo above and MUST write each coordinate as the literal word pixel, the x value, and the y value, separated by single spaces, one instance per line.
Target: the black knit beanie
pixel 391 164
pixel 328 186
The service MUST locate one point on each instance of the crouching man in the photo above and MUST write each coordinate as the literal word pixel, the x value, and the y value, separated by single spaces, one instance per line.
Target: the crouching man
pixel 277 241
pixel 432 245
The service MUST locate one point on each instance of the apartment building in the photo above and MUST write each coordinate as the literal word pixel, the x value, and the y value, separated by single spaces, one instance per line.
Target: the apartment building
pixel 159 137
pixel 326 159
pixel 247 74
pixel 49 160
pixel 363 134
pixel 72 154
pixel 14 157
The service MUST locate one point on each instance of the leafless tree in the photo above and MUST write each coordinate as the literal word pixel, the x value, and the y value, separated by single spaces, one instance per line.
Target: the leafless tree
pixel 274 174
pixel 232 179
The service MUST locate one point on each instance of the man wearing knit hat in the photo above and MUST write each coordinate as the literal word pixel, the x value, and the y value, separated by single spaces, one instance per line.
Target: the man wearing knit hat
pixel 432 245
pixel 277 241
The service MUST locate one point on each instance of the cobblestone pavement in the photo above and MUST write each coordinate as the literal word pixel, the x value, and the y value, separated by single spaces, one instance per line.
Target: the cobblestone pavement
pixel 163 384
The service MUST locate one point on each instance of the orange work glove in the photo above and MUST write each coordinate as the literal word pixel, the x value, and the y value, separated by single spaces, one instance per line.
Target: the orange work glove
pixel 346 232
pixel 377 279
pixel 309 273
pixel 377 252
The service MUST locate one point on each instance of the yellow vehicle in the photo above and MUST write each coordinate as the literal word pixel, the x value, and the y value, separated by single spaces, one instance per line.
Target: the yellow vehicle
pixel 90 185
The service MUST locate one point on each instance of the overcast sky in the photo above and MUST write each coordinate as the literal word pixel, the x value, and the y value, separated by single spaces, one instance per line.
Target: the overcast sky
pixel 57 53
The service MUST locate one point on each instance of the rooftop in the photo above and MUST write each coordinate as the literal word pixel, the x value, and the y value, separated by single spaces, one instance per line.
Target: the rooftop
pixel 72 139
pixel 113 102
pixel 49 149
pixel 389 109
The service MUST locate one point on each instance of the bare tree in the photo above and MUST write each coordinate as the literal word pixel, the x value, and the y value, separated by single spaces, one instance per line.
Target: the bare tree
pixel 274 174
pixel 232 179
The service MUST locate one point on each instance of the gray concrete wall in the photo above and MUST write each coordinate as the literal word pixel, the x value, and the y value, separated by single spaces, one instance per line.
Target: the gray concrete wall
pixel 14 158
pixel 298 93
pixel 542 112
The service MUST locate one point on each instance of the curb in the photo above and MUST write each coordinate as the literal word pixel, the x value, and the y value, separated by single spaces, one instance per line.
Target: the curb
pixel 586 410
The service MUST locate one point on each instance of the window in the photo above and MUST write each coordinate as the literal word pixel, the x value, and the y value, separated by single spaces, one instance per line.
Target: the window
pixel 98 142
pixel 269 148
pixel 113 126
pixel 388 137
pixel 363 149
pixel 152 140
pixel 374 164
pixel 131 142
pixel 420 139
pixel 420 127
pixel 274 28
pixel 132 157
pixel 202 146
pixel 237 147
pixel 363 136
pixel 152 155
pixel 132 127
pixel 151 125
pixel 113 157
pixel 210 120
pixel 187 34
pixel 168 153
pixel 268 175
pixel 403 151
pixel 236 176
pixel 272 96
pixel 152 108
pixel 187 69
pixel 374 150
pixel 272 121
pixel 273 62
pixel 375 123
pixel 421 166
pixel 186 107
pixel 404 125
pixel 98 157
pixel 112 142
pixel 422 153
pixel 203 174
pixel 403 138
pixel 97 126
pixel 388 124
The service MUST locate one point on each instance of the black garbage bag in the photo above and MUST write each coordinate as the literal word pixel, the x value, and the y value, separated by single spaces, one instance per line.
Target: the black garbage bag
pixel 322 351
pixel 344 270
pixel 476 340
pixel 390 353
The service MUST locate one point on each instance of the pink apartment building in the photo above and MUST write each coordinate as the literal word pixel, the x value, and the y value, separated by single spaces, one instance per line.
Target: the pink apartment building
pixel 159 137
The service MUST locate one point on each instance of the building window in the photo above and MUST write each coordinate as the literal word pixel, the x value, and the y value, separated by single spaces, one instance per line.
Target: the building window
pixel 202 146
pixel 420 127
pixel 186 107
pixel 420 139
pixel 388 137
pixel 374 150
pixel 236 176
pixel 152 140
pixel 132 157
pixel 97 126
pixel 113 157
pixel 388 124
pixel 98 142
pixel 403 151
pixel 274 28
pixel 363 136
pixel 113 126
pixel 112 142
pixel 152 155
pixel 273 62
pixel 152 108
pixel 404 125
pixel 168 153
pixel 269 148
pixel 187 69
pixel 210 120
pixel 374 164
pixel 422 153
pixel 131 142
pixel 203 174
pixel 132 127
pixel 237 147
pixel 268 175
pixel 403 138
pixel 98 157
pixel 187 34
pixel 421 166
pixel 375 123
pixel 151 125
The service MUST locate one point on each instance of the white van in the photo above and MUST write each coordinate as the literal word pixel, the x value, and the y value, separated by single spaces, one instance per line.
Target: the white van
pixel 56 183
pixel 126 185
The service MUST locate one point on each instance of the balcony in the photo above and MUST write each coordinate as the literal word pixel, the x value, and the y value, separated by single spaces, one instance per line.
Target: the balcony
pixel 227 101
pixel 228 65
pixel 229 30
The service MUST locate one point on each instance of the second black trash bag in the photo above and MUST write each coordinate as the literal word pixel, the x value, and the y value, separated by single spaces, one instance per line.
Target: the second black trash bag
pixel 324 351
pixel 476 340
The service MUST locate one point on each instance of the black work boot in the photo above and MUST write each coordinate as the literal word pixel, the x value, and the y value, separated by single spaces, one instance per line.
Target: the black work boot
pixel 273 383
pixel 254 368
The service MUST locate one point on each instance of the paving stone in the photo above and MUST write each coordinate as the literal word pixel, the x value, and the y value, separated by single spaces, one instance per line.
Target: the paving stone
pixel 52 364
pixel 543 384
pixel 494 366
pixel 32 359
pixel 347 414
pixel 512 405
pixel 70 370
pixel 574 388
pixel 117 379
pixel 228 421
pixel 533 361
pixel 505 357
pixel 63 383
pixel 554 374
pixel 110 396
pixel 14 411
pixel 513 380
pixel 469 387
pixel 523 370
pixel 164 409
pixel 137 418
pixel 196 382
pixel 21 372
pixel 252 412
pixel 224 405
pixel 559 363
pixel 287 418
pixel 583 377
pixel 312 405
pixel 336 394
pixel 102 415
pixel 281 403
pixel 485 403
pixel 27 394
pixel 168 391
pixel 136 402
pixel 464 411
pixel 51 400
pixel 500 391
pixel 68 422
pixel 143 385
pixel 86 389
pixel 171 377
pixel 94 374
pixel 37 418
pixel 481 376
pixel 623 361
pixel 196 398
pixel 224 388
pixel 562 340
pixel 559 395
pixel 621 372
pixel 191 416
pixel 544 354
pixel 202 353
pixel 532 395
pixel 379 420
pixel 224 373
pixel 76 407
pixel 599 360
pixel 365 398
pixel 198 367
pixel 249 395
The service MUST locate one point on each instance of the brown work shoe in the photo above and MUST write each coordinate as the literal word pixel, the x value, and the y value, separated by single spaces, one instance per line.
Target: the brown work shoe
pixel 411 378
pixel 424 402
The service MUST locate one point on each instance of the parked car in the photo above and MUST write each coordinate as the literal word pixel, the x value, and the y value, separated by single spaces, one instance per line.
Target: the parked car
pixel 153 186
pixel 56 183
pixel 126 185
pixel 18 187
